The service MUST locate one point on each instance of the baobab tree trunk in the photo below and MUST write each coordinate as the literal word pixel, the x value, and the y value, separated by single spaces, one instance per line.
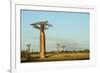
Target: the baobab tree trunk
pixel 42 44
pixel 28 51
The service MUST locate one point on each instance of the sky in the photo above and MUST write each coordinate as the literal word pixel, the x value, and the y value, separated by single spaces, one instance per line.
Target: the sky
pixel 68 28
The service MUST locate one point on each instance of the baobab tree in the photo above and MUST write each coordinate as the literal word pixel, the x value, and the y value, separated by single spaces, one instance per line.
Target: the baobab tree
pixel 42 26
pixel 28 51
pixel 63 47
pixel 58 47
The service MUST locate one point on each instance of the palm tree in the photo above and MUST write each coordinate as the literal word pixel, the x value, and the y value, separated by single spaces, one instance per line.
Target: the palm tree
pixel 42 25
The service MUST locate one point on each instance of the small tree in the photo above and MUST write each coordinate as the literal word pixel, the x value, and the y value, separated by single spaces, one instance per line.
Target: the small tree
pixel 28 51
pixel 58 47
pixel 63 47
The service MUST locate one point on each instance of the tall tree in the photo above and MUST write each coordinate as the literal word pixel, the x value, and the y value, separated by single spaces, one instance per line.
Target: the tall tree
pixel 42 26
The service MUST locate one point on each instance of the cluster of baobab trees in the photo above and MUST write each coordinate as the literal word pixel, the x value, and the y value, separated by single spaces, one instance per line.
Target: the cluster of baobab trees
pixel 60 47
pixel 42 26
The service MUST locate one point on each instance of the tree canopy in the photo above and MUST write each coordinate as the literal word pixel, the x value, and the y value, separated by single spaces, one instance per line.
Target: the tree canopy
pixel 42 25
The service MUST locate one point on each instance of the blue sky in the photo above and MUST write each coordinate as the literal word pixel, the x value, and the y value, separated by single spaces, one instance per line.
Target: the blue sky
pixel 68 28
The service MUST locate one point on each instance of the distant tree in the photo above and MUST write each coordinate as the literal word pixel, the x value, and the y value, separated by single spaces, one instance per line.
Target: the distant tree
pixel 58 47
pixel 28 51
pixel 63 47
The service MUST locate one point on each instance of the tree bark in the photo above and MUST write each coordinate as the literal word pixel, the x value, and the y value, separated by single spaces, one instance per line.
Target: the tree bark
pixel 42 44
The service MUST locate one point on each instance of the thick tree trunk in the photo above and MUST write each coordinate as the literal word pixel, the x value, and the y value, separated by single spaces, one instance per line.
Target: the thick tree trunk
pixel 42 44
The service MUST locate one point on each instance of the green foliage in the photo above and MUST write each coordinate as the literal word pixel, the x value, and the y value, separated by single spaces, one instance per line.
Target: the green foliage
pixel 42 25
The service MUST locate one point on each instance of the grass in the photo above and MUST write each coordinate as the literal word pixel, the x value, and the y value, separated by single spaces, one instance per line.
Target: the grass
pixel 54 56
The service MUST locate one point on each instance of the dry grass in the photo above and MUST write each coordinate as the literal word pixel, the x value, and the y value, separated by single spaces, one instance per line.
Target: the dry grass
pixel 57 57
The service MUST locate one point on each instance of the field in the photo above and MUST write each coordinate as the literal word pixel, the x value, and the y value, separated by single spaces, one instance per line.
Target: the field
pixel 55 56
